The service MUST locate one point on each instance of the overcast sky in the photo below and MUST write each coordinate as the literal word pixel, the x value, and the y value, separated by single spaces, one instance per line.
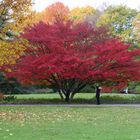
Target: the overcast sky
pixel 40 5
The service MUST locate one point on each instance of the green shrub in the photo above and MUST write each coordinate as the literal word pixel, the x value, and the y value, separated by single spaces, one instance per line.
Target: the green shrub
pixel 9 98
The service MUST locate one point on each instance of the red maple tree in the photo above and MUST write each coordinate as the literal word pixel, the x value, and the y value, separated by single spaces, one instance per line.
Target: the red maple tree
pixel 69 57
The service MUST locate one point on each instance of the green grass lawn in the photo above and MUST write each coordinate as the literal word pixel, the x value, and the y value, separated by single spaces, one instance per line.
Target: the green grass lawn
pixel 69 123
pixel 78 95
pixel 80 98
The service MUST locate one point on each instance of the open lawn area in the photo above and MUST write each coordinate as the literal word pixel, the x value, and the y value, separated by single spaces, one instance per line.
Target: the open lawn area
pixel 69 123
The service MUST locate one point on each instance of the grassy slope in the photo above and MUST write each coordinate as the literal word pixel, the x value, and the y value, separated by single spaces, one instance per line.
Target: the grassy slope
pixel 65 123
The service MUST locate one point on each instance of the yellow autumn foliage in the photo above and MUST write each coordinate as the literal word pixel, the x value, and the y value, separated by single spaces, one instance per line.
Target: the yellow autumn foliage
pixel 79 14
pixel 15 15
pixel 10 52
pixel 136 24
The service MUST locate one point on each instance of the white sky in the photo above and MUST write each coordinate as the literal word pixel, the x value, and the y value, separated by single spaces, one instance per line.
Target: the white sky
pixel 40 5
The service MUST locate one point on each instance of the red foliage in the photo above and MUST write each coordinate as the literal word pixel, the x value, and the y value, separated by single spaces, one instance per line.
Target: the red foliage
pixel 70 57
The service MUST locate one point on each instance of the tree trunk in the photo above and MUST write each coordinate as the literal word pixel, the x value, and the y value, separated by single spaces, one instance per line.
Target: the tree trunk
pixel 98 90
pixel 72 96
pixel 77 90
pixel 67 99
pixel 61 95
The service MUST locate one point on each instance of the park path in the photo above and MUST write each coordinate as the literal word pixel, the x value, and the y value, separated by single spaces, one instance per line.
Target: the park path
pixel 76 105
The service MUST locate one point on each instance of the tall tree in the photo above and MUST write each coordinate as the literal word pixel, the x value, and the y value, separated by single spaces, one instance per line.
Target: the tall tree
pixel 119 20
pixel 71 57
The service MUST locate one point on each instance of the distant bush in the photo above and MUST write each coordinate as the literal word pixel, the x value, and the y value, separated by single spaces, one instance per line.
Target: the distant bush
pixel 10 85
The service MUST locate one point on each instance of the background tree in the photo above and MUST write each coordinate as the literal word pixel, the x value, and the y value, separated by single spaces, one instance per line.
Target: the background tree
pixel 93 18
pixel 56 11
pixel 119 20
pixel 71 57
pixel 80 14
